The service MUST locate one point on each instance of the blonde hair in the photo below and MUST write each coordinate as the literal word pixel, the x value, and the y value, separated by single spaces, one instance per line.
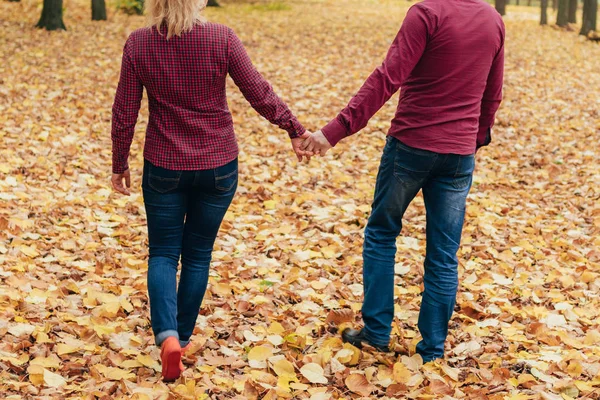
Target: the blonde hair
pixel 179 16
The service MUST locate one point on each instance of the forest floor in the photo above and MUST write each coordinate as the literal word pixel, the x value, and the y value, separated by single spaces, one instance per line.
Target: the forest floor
pixel 74 319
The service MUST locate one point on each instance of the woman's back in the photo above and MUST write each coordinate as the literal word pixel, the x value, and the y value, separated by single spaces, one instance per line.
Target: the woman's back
pixel 191 167
pixel 185 71
pixel 190 125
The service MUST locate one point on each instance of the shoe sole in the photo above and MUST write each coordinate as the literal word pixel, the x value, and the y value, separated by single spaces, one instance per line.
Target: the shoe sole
pixel 170 368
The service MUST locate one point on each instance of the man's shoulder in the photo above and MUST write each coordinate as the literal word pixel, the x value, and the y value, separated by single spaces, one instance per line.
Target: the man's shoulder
pixel 437 6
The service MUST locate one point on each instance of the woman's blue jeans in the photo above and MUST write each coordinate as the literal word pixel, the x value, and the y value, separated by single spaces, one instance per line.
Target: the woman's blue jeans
pixel 184 211
pixel 445 180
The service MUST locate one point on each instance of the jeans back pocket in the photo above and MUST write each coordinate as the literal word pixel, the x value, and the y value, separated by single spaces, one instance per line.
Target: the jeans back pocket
pixel 464 172
pixel 162 180
pixel 226 176
pixel 412 166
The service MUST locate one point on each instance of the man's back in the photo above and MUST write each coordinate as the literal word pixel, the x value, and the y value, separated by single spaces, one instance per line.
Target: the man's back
pixel 448 58
pixel 441 99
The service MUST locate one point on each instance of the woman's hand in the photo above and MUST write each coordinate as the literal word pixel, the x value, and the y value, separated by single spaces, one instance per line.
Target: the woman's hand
pixel 297 143
pixel 117 182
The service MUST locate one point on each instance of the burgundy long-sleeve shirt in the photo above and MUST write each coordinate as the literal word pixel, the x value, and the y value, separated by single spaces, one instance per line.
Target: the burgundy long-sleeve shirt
pixel 190 126
pixel 448 58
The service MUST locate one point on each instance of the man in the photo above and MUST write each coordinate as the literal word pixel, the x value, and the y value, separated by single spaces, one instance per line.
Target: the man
pixel 449 59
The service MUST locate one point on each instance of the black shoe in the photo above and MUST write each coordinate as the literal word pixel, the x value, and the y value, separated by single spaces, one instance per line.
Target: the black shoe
pixel 356 339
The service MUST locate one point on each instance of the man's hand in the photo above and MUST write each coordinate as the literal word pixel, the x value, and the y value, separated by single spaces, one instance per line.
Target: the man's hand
pixel 297 143
pixel 117 182
pixel 316 143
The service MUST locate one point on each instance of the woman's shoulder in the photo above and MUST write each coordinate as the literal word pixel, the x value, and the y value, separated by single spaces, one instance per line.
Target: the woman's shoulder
pixel 214 27
pixel 139 34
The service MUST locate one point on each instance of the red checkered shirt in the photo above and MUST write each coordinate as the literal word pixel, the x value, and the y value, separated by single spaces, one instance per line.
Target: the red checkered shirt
pixel 190 126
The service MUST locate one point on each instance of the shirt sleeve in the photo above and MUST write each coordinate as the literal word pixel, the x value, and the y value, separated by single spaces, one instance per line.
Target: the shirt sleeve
pixel 402 57
pixel 492 97
pixel 258 91
pixel 125 111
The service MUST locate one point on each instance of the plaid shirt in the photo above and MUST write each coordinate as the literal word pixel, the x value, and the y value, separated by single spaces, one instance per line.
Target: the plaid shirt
pixel 190 126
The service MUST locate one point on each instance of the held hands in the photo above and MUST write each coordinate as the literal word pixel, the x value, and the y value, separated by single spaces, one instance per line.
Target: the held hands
pixel 311 144
pixel 297 146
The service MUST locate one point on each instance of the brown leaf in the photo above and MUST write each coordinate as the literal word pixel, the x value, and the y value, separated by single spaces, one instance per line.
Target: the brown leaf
pixel 340 316
pixel 358 384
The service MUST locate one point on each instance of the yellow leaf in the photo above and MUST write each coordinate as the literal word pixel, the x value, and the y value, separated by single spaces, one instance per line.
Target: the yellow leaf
pixel 584 386
pixel 148 361
pixel 284 368
pixel 270 204
pixel 114 374
pixel 102 330
pixel 36 374
pixel 62 349
pixel 314 373
pixel 110 310
pixel 53 380
pixel 401 373
pixel 46 362
pixel 128 364
pixel 258 355
pixel 42 337
pixel 29 251
pixel 276 328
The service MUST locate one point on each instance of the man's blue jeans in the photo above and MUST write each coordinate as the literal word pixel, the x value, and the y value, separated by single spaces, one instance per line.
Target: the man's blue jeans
pixel 184 211
pixel 445 180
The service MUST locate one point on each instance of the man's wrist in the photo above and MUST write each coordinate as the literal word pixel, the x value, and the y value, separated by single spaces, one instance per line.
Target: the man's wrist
pixel 334 131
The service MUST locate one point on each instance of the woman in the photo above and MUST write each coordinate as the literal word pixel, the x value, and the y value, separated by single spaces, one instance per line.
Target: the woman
pixel 191 168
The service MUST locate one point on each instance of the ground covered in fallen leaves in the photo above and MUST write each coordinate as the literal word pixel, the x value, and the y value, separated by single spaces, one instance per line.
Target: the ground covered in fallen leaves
pixel 74 319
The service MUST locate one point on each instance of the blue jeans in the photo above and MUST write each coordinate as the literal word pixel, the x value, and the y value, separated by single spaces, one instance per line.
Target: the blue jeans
pixel 445 180
pixel 184 211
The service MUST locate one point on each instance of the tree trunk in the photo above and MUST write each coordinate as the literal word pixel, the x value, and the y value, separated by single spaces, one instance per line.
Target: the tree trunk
pixel 544 16
pixel 212 3
pixel 590 12
pixel 51 18
pixel 562 18
pixel 98 10
pixel 554 5
pixel 501 6
pixel 573 11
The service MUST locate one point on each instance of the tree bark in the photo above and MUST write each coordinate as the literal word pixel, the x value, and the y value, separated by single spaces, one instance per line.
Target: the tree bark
pixel 544 16
pixel 562 18
pixel 590 13
pixel 51 18
pixel 98 10
pixel 554 5
pixel 573 11
pixel 501 6
pixel 212 3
